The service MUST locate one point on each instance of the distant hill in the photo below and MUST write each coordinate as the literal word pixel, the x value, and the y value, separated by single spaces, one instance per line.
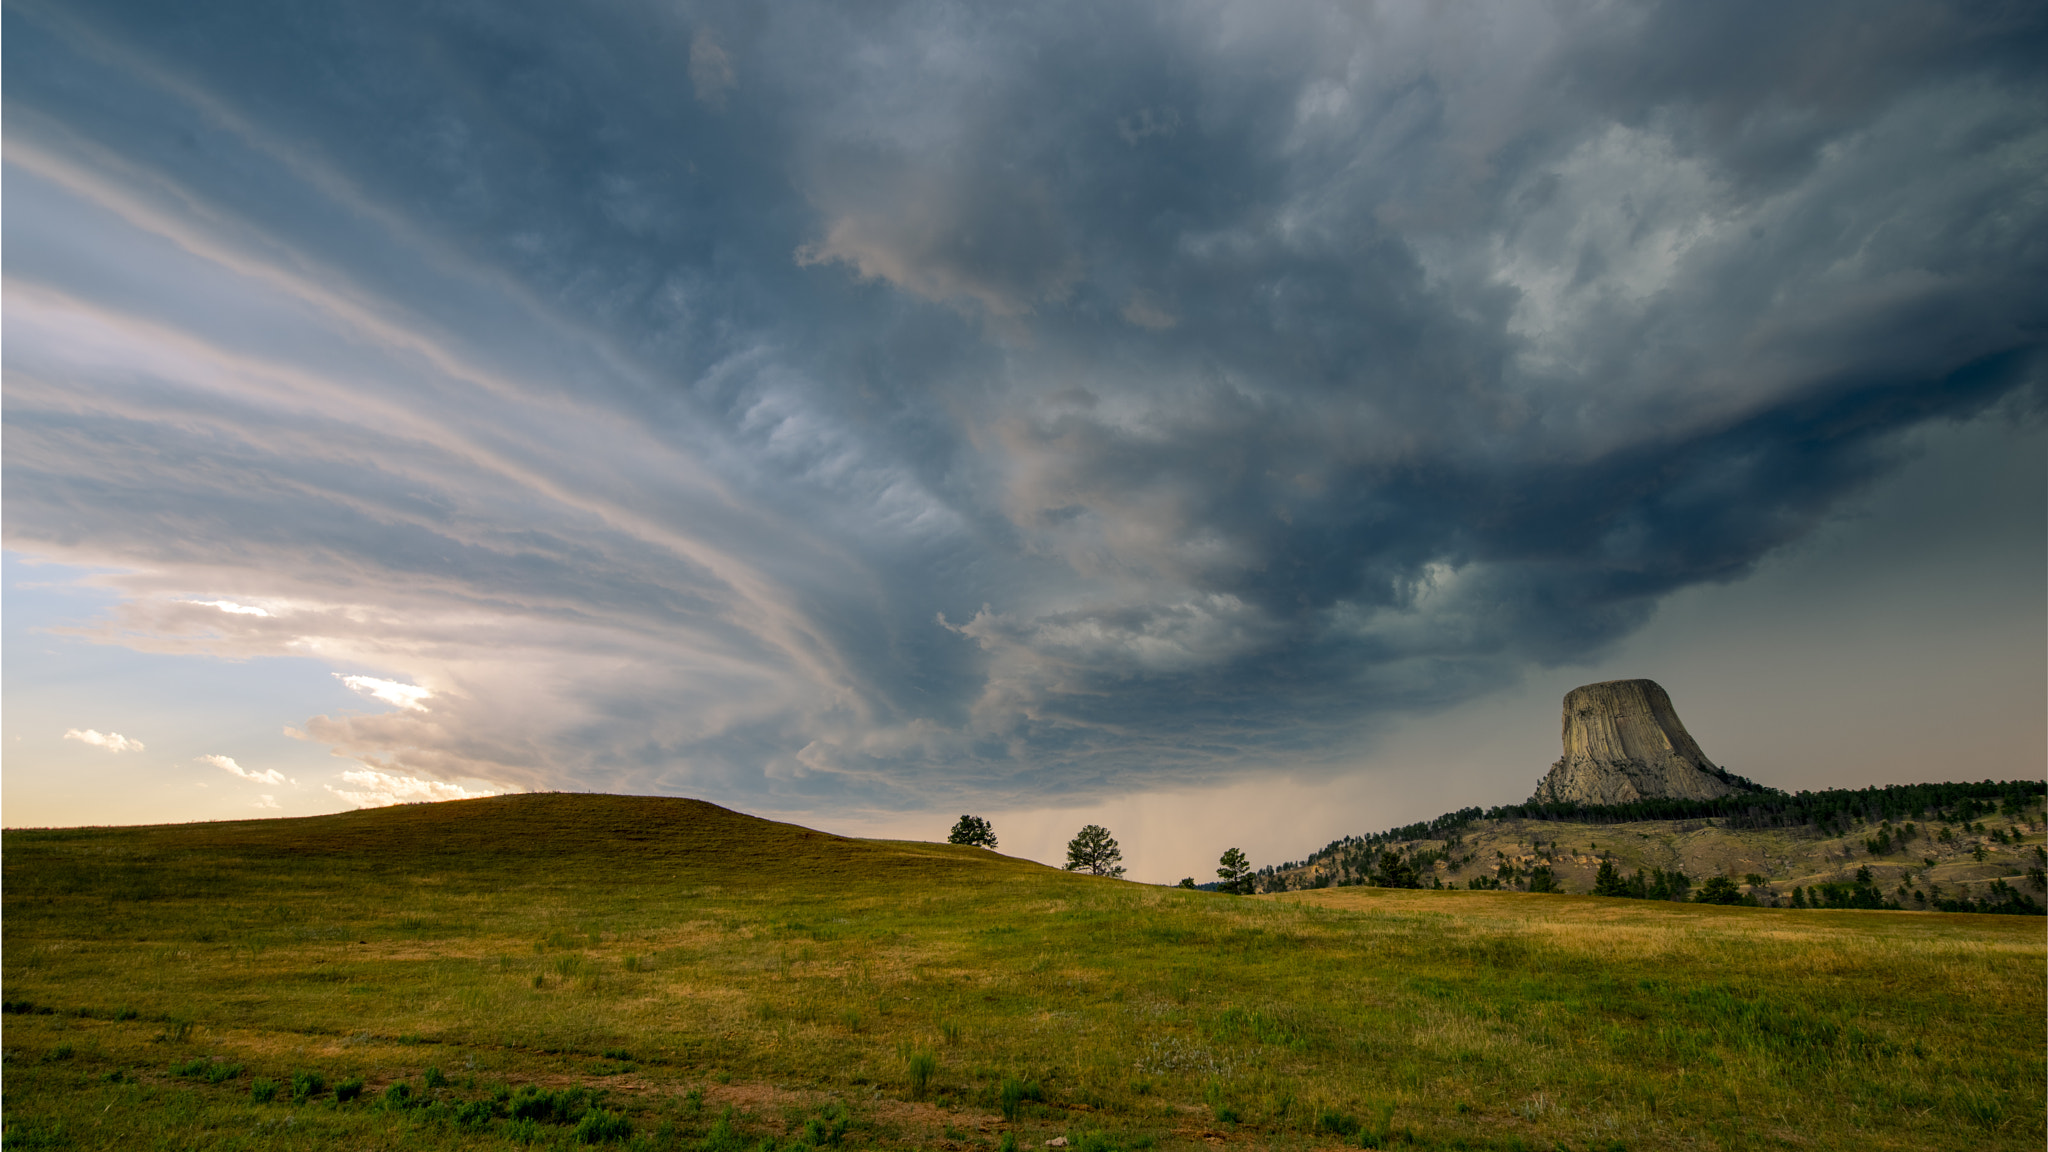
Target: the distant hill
pixel 1956 847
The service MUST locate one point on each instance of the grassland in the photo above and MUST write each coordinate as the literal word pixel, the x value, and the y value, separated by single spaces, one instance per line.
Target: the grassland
pixel 544 970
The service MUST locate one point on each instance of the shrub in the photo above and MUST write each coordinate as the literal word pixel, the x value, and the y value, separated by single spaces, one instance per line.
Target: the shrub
pixel 1337 1123
pixel 474 1116
pixel 348 1090
pixel 827 1128
pixel 922 1065
pixel 598 1127
pixel 1015 1092
pixel 434 1079
pixel 198 1068
pixel 398 1096
pixel 306 1085
pixel 949 1030
pixel 538 1104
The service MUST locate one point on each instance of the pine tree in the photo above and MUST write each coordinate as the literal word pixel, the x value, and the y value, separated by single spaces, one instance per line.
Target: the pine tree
pixel 1236 873
pixel 1394 872
pixel 1608 881
pixel 1094 851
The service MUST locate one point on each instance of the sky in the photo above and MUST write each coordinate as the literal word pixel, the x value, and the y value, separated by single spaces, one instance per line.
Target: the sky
pixel 1236 424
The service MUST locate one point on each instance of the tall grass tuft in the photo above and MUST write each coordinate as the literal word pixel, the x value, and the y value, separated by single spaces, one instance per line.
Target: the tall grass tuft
pixel 923 1064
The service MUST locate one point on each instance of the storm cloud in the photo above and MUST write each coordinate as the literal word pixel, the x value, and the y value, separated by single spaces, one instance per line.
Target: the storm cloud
pixel 878 404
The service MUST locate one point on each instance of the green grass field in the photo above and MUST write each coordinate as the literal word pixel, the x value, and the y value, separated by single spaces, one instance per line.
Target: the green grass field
pixel 553 970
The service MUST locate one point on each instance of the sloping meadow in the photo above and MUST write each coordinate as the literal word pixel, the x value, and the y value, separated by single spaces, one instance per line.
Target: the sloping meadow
pixel 573 969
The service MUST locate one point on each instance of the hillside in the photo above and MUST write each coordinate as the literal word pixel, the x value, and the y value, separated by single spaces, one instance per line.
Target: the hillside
pixel 563 970
pixel 1923 846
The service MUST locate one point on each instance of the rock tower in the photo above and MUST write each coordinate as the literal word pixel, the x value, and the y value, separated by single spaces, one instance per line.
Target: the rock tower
pixel 1623 741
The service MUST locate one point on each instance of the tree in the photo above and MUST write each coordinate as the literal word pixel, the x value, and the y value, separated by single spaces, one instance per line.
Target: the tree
pixel 1094 851
pixel 1718 890
pixel 1608 881
pixel 1394 872
pixel 1236 873
pixel 973 831
pixel 1187 881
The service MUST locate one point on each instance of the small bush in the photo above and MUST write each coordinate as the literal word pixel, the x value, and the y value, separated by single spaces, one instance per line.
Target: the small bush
pixel 475 1116
pixel 617 1054
pixel 398 1096
pixel 598 1127
pixel 175 1032
pixel 125 1013
pixel 348 1090
pixel 950 1032
pixel 1337 1123
pixel 306 1085
pixel 827 1128
pixel 1008 1143
pixel 1014 1093
pixel 538 1104
pixel 434 1078
pixel 262 1091
pixel 722 1138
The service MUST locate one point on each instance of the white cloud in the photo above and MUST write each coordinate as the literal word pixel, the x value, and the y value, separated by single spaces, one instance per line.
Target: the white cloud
pixel 267 802
pixel 111 741
pixel 229 606
pixel 227 764
pixel 382 789
pixel 389 691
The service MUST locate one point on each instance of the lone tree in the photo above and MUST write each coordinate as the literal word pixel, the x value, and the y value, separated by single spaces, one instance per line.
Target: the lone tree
pixel 974 831
pixel 1094 851
pixel 1236 873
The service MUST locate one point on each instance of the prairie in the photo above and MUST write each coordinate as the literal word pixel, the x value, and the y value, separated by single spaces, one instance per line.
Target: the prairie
pixel 555 970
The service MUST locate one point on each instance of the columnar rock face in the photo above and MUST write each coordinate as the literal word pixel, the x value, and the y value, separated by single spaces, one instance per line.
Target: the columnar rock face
pixel 1624 742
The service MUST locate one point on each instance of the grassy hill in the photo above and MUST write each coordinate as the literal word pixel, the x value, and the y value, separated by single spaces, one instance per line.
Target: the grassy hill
pixel 551 970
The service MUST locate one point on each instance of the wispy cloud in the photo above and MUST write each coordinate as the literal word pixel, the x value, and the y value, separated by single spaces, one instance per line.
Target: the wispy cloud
pixel 111 741
pixel 227 764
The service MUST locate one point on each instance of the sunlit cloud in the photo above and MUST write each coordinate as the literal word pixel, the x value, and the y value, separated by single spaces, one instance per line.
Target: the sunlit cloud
pixel 111 741
pixel 227 764
pixel 389 691
pixel 231 607
pixel 374 789
pixel 266 801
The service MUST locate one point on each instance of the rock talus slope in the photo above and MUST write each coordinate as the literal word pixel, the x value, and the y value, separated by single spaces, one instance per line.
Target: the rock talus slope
pixel 1623 742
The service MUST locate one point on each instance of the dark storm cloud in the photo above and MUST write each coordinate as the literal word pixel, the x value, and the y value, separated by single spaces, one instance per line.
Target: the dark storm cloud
pixel 863 402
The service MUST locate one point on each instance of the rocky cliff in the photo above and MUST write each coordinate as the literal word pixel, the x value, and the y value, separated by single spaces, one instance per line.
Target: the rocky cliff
pixel 1623 741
